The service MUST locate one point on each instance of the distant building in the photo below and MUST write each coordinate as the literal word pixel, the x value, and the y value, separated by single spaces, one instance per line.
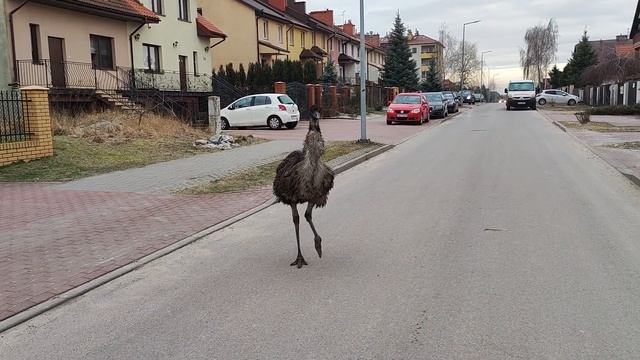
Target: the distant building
pixel 423 49
pixel 621 46
pixel 634 35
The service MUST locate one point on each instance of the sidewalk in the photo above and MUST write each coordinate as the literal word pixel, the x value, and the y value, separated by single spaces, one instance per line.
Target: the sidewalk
pixel 624 160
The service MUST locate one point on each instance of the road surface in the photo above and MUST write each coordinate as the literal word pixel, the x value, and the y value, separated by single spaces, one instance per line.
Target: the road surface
pixel 492 236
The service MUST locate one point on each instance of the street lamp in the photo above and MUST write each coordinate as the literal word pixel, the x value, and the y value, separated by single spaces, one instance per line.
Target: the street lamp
pixel 482 67
pixel 462 69
pixel 363 74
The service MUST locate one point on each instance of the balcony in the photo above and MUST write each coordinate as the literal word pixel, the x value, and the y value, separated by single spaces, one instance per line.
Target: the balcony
pixel 77 75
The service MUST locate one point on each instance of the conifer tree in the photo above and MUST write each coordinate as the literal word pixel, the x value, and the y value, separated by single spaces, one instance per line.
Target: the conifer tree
pixel 400 69
pixel 582 57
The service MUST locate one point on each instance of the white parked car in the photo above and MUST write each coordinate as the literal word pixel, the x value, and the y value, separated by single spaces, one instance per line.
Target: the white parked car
pixel 272 110
pixel 557 97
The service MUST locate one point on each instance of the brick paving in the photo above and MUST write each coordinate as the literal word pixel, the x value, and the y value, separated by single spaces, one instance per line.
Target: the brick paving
pixel 53 240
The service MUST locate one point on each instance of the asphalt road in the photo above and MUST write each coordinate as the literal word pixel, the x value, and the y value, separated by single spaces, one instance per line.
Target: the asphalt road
pixel 492 236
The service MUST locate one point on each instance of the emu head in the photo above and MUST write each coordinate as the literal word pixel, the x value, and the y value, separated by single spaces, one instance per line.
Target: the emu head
pixel 314 115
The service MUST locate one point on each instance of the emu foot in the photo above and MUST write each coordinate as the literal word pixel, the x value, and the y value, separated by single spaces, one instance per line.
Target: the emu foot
pixel 318 241
pixel 300 262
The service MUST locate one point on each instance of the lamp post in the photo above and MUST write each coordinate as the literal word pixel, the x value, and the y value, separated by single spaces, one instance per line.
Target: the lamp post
pixel 462 68
pixel 363 74
pixel 482 67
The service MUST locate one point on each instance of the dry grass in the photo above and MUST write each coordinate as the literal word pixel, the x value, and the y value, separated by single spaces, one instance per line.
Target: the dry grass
pixel 262 176
pixel 633 145
pixel 600 126
pixel 564 108
pixel 103 142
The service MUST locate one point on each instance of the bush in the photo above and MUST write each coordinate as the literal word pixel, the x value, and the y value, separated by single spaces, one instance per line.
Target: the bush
pixel 616 110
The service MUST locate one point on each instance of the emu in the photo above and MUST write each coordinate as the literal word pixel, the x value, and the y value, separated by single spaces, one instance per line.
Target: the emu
pixel 303 177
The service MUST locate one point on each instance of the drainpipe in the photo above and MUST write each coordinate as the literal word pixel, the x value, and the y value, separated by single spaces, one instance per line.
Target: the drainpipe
pixel 329 48
pixel 13 41
pixel 133 75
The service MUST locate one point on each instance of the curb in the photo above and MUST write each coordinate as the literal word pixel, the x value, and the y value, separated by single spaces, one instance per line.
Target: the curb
pixel 97 282
pixel 634 179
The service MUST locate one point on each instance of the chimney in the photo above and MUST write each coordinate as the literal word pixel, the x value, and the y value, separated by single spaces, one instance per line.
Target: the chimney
pixel 349 28
pixel 373 39
pixel 324 16
pixel 279 4
pixel 299 6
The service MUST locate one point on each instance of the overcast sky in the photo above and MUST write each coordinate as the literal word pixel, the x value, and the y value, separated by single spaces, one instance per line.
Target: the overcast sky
pixel 503 22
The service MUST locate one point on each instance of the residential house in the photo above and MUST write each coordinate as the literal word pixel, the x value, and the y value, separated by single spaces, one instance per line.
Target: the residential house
pixel 318 50
pixel 335 40
pixel 299 35
pixel 349 58
pixel 375 58
pixel 621 46
pixel 72 44
pixel 423 50
pixel 634 34
pixel 174 54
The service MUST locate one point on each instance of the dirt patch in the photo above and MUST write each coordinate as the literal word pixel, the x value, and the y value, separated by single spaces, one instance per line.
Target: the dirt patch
pixel 633 145
pixel 600 126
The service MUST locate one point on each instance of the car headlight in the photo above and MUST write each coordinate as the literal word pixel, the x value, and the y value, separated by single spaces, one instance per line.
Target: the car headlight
pixel 415 111
pixel 469 97
pixel 390 111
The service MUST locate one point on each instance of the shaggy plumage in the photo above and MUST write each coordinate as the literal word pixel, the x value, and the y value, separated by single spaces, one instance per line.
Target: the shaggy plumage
pixel 303 177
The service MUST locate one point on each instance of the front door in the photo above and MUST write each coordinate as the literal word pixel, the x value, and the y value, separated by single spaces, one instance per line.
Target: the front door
pixel 183 72
pixel 56 56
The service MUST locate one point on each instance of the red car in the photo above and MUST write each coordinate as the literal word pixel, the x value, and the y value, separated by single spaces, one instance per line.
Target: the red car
pixel 408 107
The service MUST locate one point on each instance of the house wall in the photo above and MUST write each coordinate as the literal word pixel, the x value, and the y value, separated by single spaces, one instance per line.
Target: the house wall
pixel 241 46
pixel 273 38
pixel 73 27
pixel 169 31
pixel 297 47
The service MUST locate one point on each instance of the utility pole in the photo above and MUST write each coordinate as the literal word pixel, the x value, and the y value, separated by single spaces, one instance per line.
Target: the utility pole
pixel 482 67
pixel 363 78
pixel 462 68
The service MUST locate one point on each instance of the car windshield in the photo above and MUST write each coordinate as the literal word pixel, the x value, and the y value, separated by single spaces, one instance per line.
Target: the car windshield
pixel 284 99
pixel 449 96
pixel 434 97
pixel 521 86
pixel 407 99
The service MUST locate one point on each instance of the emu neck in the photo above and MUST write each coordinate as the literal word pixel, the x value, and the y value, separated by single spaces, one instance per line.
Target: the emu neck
pixel 313 147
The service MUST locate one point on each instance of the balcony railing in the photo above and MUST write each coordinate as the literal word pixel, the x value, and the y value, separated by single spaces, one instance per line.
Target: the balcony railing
pixel 77 75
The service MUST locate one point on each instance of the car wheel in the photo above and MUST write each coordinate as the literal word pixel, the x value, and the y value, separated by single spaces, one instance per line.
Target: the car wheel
pixel 571 102
pixel 533 107
pixel 274 122
pixel 291 125
pixel 224 124
pixel 542 101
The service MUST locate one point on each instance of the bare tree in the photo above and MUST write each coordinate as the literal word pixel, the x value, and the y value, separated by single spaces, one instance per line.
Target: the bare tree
pixel 453 56
pixel 541 45
pixel 450 44
pixel 614 69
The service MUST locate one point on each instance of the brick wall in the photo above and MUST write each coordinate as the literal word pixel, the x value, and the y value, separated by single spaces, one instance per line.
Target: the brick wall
pixel 36 114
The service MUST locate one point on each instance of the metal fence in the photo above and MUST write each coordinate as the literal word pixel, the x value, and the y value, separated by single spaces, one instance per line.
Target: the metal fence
pixel 14 126
pixel 298 93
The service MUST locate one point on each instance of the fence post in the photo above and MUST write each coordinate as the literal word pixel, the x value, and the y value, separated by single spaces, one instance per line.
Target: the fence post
pixel 280 87
pixel 333 99
pixel 318 94
pixel 311 98
pixel 214 115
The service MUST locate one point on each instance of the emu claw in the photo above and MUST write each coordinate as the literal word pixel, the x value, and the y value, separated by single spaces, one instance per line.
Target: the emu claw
pixel 318 241
pixel 299 262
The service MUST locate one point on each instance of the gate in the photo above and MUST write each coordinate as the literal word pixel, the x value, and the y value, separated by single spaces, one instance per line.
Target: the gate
pixel 298 93
pixel 14 127
pixel 620 94
pixel 227 92
pixel 633 93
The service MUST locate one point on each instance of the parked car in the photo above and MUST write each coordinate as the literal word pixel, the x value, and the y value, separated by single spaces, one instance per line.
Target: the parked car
pixel 556 96
pixel 467 97
pixel 452 103
pixel 272 110
pixel 408 107
pixel 480 97
pixel 437 104
pixel 521 93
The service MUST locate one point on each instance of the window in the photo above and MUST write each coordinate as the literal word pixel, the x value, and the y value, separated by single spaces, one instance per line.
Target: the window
pixel 156 6
pixel 183 10
pixel 425 62
pixel 291 42
pixel 195 63
pixel 428 49
pixel 285 99
pixel 243 103
pixel 313 38
pixel 265 30
pixel 35 42
pixel 101 52
pixel 413 50
pixel 280 32
pixel 261 100
pixel 151 55
pixel 303 37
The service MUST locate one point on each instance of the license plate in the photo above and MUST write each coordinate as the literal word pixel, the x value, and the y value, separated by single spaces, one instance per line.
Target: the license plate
pixel 521 102
pixel 294 117
pixel 402 115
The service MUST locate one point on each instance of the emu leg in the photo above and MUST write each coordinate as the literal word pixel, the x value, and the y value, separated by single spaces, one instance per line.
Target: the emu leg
pixel 317 238
pixel 296 222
